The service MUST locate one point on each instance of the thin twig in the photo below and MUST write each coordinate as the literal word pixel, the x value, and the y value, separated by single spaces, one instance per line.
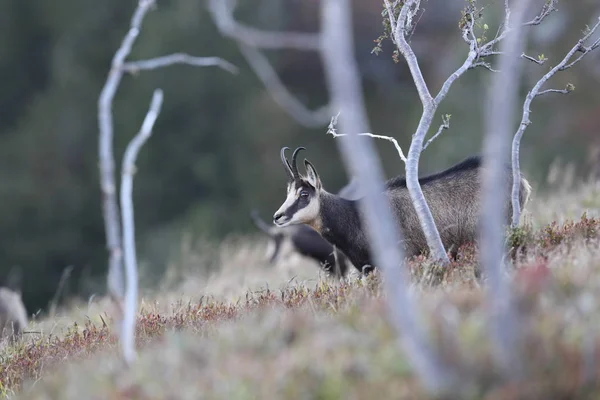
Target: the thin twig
pixel 548 8
pixel 61 284
pixel 222 13
pixel 584 50
pixel 538 61
pixel 282 96
pixel 561 91
pixel 534 60
pixel 444 125
pixel 178 58
pixel 128 170
pixel 485 65
pixel 332 131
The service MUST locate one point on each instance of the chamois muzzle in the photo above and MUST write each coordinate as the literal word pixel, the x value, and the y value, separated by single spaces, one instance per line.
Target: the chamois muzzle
pixel 280 218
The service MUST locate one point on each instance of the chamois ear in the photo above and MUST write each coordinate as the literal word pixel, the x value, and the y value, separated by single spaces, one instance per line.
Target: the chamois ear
pixel 311 174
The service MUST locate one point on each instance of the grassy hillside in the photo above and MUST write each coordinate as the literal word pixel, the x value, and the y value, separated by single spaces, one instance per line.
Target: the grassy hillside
pixel 251 331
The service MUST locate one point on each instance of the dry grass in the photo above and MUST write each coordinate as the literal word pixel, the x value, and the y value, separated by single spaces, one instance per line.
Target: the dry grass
pixel 568 198
pixel 254 331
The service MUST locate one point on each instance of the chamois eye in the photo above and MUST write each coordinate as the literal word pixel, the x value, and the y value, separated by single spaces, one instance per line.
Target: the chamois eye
pixel 304 194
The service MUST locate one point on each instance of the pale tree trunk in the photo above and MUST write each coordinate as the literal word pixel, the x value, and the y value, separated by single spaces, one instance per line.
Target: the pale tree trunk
pixel 430 105
pixel 131 275
pixel 502 96
pixel 359 156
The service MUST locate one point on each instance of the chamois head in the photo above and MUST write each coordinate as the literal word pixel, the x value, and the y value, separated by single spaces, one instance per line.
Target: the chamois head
pixel 301 205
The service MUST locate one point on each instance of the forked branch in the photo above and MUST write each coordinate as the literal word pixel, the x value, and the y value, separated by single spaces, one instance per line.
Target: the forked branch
pixel 538 61
pixel 445 125
pixel 222 13
pixel 400 27
pixel 280 94
pixel 250 40
pixel 536 91
pixel 134 67
pixel 116 282
pixel 401 24
pixel 331 129
pixel 112 224
pixel 333 132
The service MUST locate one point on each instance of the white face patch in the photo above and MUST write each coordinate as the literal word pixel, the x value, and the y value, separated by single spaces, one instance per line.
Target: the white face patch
pixel 296 210
pixel 308 214
pixel 289 201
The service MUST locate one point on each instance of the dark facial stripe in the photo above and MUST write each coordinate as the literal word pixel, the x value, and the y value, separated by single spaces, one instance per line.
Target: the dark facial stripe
pixel 300 202
pixel 294 208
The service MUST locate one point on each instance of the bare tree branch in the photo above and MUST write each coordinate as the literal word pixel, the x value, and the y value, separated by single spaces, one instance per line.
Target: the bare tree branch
pixel 412 163
pixel 467 64
pixel 501 96
pixel 332 131
pixel 485 65
pixel 178 58
pixel 265 72
pixel 567 90
pixel 66 274
pixel 360 160
pixel 105 146
pixel 116 279
pixel 584 50
pixel 525 121
pixel 222 12
pixel 128 170
pixel 400 27
pixel 548 8
pixel 534 60
pixel 539 61
pixel 400 31
pixel 445 125
pixel 430 105
pixel 250 40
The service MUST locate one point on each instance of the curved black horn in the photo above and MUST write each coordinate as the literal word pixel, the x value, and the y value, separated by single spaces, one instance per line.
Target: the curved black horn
pixel 285 162
pixel 294 166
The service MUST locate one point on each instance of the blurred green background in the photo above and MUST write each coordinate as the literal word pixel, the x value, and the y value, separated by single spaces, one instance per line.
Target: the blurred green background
pixel 214 153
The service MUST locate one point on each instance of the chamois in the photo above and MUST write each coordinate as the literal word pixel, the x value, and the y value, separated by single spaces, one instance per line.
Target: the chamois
pixel 13 316
pixel 453 196
pixel 305 241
